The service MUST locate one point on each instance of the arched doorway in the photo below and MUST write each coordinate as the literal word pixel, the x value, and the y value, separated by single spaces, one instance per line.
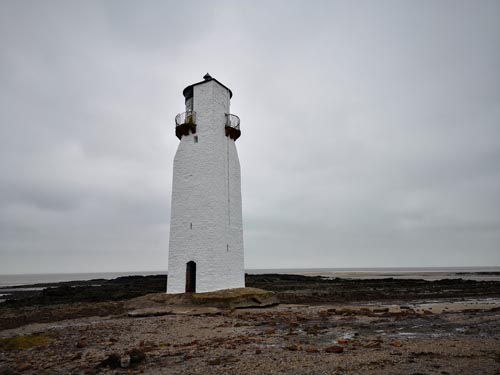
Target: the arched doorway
pixel 191 277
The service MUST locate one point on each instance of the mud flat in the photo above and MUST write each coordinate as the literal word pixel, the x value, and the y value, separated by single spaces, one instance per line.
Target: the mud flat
pixel 321 327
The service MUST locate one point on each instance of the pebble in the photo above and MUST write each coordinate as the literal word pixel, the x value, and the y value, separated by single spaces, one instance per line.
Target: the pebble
pixel 125 361
pixel 334 349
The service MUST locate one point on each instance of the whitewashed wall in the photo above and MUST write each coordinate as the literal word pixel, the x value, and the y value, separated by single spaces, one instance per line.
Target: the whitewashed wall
pixel 206 193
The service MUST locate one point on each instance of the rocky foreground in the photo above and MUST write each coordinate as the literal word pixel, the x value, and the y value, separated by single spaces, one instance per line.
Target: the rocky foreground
pixel 321 326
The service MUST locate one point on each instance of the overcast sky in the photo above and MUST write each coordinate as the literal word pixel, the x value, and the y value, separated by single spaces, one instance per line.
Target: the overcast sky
pixel 370 130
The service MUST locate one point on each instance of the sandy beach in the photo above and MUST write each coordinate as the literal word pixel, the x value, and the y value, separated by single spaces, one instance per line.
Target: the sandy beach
pixel 449 335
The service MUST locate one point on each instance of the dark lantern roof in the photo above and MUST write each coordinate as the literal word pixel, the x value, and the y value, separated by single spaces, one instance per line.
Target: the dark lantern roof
pixel 188 91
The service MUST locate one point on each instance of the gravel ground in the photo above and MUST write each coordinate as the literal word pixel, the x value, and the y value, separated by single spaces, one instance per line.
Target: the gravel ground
pixel 425 337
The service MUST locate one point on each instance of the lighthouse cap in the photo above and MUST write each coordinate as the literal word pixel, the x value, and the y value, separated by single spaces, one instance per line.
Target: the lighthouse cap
pixel 188 91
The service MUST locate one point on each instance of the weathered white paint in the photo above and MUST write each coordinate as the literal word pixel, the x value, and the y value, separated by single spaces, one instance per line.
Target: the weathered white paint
pixel 206 195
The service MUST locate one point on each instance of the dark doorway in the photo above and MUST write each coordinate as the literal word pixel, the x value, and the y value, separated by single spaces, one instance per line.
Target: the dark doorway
pixel 191 277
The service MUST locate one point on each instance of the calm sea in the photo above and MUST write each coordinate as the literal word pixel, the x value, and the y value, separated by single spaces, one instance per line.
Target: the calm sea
pixel 428 273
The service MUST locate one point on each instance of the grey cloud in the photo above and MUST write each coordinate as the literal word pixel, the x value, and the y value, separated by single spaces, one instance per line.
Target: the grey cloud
pixel 371 131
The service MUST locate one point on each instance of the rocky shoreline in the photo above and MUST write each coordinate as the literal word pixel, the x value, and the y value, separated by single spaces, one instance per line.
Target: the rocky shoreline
pixel 289 289
pixel 321 326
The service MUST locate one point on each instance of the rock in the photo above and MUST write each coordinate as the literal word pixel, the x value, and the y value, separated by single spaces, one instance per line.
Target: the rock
pixel 396 343
pixel 372 344
pixel 381 310
pixel 302 318
pixel 24 367
pixel 293 347
pixel 76 356
pixel 258 351
pixel 82 343
pixel 7 371
pixel 270 331
pixel 342 341
pixel 236 298
pixel 312 349
pixel 188 356
pixel 156 300
pixel 150 311
pixel 313 330
pixel 136 356
pixel 214 361
pixel 364 311
pixel 90 371
pixel 197 311
pixel 125 361
pixel 334 349
pixel 345 312
pixel 112 361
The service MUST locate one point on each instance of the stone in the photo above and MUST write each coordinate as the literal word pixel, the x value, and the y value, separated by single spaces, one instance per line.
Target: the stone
pixel 236 298
pixel 372 344
pixel 150 311
pixel 90 371
pixel 396 343
pixel 7 371
pixel 214 361
pixel 312 349
pixel 125 361
pixel 76 356
pixel 334 349
pixel 24 367
pixel 136 356
pixel 81 343
pixel 112 361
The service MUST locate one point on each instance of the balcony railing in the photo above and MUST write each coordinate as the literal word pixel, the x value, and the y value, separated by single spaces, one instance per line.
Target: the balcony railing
pixel 184 123
pixel 185 118
pixel 232 126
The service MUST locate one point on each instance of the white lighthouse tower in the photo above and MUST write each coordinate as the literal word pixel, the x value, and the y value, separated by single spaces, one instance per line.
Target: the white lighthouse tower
pixel 206 231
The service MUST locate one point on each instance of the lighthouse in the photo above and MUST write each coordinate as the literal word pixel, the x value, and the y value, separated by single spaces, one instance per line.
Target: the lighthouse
pixel 206 229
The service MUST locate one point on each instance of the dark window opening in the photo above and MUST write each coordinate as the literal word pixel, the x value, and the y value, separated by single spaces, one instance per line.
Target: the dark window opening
pixel 195 139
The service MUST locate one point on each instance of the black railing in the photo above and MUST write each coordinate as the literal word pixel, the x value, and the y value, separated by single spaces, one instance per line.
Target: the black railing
pixel 232 121
pixel 185 118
